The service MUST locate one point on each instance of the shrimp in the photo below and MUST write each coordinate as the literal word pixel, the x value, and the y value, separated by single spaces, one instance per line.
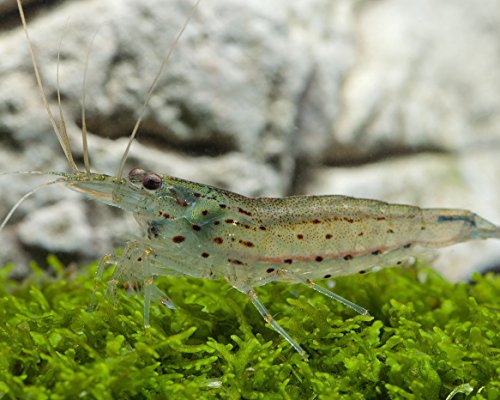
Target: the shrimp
pixel 195 230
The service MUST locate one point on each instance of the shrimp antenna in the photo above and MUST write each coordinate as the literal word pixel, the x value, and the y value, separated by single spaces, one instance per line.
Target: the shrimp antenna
pixel 61 133
pixel 152 88
pixel 62 121
pixel 32 173
pixel 86 161
pixel 18 203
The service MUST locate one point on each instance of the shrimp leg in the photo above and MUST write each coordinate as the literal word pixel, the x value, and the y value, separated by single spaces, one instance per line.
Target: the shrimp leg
pixel 105 261
pixel 270 320
pixel 333 296
pixel 134 269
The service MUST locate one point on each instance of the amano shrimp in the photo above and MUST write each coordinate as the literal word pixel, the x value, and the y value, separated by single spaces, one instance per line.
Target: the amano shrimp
pixel 195 230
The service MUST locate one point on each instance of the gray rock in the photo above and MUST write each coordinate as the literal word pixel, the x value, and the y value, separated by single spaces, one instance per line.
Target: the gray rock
pixel 60 228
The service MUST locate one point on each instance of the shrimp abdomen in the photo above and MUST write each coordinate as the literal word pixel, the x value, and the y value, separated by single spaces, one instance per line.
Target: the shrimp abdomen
pixel 316 229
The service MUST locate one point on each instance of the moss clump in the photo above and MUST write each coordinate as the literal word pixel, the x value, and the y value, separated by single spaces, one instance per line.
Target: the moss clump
pixel 427 339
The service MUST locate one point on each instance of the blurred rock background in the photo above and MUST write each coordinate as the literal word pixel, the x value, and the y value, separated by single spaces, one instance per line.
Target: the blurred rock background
pixel 391 99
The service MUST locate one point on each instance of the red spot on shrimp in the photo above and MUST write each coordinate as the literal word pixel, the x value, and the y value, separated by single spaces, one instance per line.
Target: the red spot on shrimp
pixel 218 240
pixel 327 276
pixel 262 228
pixel 300 236
pixel 319 258
pixel 328 236
pixel 182 203
pixel 196 228
pixel 242 211
pixel 205 255
pixel 348 257
pixel 178 239
pixel 376 252
pixel 288 261
pixel 270 270
pixel 350 220
pixel 204 212
pixel 246 243
pixel 316 221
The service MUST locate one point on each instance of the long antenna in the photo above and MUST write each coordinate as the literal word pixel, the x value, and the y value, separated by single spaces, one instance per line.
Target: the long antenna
pixel 18 203
pixel 151 90
pixel 86 161
pixel 62 135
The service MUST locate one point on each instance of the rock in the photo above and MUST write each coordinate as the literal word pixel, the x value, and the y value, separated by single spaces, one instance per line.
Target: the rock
pixel 59 228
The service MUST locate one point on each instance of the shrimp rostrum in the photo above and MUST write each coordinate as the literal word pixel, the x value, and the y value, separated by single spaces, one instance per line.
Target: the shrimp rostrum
pixel 195 230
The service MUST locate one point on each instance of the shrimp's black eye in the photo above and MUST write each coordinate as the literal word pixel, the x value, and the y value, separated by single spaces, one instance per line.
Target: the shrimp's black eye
pixel 152 181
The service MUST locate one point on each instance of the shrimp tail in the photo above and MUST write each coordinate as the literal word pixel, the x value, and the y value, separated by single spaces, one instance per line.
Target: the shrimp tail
pixel 481 228
pixel 486 229
pixel 456 226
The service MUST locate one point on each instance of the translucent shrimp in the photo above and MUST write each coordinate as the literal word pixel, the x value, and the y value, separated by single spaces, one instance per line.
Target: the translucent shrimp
pixel 191 229
pixel 196 230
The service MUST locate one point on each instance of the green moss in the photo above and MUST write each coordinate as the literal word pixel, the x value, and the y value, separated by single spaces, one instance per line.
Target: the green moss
pixel 427 339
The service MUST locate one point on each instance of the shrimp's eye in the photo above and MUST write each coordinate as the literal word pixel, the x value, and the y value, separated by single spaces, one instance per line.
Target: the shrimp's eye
pixel 152 181
pixel 136 174
pixel 136 171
